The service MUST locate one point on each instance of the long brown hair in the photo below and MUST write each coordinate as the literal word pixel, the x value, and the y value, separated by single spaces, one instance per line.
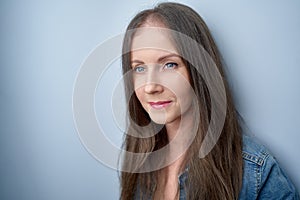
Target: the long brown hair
pixel 219 174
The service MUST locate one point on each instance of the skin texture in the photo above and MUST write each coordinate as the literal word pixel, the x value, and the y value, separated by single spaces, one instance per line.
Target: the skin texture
pixel 219 173
pixel 160 77
pixel 161 83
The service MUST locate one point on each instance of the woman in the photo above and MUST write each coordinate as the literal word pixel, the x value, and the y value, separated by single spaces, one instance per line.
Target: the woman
pixel 174 97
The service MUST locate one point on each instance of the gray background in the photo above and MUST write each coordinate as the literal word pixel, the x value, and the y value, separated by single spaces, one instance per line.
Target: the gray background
pixel 43 44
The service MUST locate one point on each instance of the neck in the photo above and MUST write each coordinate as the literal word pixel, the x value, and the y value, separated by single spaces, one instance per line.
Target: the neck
pixel 180 134
pixel 182 125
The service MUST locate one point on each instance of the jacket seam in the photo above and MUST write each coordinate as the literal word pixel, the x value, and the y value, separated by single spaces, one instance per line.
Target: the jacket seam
pixel 259 160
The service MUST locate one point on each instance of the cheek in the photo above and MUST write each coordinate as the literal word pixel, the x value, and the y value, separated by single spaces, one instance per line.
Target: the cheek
pixel 185 96
pixel 139 94
pixel 180 86
pixel 184 93
pixel 138 82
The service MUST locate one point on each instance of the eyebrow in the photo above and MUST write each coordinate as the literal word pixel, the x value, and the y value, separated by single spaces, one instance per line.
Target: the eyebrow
pixel 159 59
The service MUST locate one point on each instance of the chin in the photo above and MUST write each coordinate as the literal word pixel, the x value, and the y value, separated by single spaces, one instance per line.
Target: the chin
pixel 158 119
pixel 162 119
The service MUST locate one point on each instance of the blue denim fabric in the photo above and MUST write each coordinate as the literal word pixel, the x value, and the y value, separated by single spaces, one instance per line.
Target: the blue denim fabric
pixel 262 176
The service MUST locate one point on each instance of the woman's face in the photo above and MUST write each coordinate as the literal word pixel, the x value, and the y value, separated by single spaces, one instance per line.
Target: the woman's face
pixel 160 77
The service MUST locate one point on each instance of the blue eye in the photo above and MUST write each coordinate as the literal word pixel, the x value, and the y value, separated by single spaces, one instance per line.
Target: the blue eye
pixel 170 65
pixel 139 69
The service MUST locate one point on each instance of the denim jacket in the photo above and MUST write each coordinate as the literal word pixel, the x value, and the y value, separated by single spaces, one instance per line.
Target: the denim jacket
pixel 262 176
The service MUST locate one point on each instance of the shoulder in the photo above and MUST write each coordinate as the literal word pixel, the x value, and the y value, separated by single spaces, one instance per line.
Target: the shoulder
pixel 254 152
pixel 262 176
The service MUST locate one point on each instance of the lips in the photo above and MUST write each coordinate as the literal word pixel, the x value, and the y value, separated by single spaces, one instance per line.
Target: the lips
pixel 159 104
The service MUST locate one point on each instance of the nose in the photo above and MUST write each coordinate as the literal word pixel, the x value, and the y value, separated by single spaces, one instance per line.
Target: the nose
pixel 152 84
pixel 152 87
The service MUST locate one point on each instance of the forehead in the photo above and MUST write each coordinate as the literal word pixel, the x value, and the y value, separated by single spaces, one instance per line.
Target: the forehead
pixel 153 38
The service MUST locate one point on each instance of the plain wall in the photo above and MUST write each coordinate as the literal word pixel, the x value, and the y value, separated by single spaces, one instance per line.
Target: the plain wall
pixel 43 44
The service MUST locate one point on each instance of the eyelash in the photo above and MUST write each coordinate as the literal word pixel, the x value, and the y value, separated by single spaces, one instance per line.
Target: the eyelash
pixel 173 64
pixel 140 67
pixel 135 69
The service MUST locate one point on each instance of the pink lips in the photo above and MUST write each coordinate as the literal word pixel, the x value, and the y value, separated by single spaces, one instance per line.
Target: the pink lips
pixel 159 104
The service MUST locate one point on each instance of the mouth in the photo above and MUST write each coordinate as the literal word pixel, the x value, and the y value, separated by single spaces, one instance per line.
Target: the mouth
pixel 160 104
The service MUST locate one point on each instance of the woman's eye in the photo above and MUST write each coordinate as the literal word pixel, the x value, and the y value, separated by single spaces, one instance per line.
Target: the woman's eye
pixel 139 69
pixel 170 65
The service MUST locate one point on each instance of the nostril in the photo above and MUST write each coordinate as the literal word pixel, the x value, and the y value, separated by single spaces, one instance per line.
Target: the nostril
pixel 153 88
pixel 149 87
